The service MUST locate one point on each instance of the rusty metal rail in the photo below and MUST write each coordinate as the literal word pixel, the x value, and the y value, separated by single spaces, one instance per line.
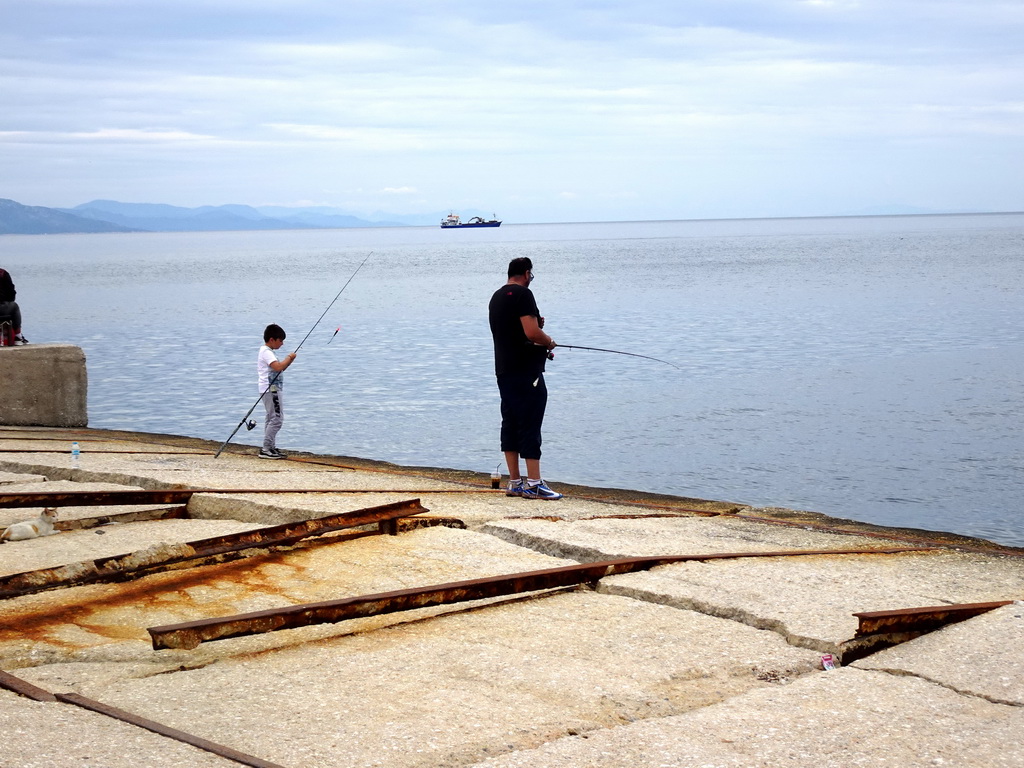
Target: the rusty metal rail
pixel 182 495
pixel 189 635
pixel 921 620
pixel 878 630
pixel 28 690
pixel 96 498
pixel 138 516
pixel 165 730
pixel 164 556
pixel 24 688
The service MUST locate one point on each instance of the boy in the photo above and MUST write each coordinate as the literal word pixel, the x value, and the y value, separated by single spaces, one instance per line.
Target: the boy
pixel 270 371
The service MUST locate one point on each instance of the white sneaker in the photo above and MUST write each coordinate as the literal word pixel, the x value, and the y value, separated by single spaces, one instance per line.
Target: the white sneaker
pixel 539 491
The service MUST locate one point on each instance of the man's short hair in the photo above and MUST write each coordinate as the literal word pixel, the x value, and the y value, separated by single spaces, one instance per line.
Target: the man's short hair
pixel 519 266
pixel 273 331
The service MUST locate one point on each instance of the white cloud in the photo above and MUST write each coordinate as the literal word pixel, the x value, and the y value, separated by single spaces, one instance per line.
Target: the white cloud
pixel 363 139
pixel 136 135
pixel 113 136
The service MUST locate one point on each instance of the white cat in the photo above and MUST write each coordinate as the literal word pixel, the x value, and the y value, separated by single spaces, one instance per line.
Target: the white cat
pixel 30 529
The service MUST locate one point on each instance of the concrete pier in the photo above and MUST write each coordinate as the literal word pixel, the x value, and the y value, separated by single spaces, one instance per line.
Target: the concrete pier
pixel 43 385
pixel 708 663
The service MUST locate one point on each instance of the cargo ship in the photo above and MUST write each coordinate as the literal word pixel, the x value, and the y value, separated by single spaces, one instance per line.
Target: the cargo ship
pixel 453 222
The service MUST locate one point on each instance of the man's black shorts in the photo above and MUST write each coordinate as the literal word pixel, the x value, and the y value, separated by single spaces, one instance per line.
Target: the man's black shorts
pixel 523 400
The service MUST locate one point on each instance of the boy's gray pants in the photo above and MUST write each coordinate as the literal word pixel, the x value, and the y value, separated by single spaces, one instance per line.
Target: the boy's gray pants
pixel 275 417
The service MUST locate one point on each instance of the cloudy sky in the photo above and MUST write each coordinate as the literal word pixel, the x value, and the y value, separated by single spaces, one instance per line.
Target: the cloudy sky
pixel 582 110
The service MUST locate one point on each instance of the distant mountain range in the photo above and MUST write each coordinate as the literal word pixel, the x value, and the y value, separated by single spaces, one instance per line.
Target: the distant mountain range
pixel 18 219
pixel 112 216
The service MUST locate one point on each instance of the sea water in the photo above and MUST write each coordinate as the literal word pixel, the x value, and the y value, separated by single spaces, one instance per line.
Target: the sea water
pixel 868 368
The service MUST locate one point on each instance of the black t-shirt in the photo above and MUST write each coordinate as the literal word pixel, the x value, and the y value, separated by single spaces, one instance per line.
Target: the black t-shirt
pixel 7 292
pixel 513 352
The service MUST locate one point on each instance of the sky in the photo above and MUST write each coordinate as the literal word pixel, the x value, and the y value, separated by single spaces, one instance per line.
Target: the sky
pixel 539 111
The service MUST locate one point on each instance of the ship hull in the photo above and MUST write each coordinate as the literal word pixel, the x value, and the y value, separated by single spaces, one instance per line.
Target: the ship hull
pixel 454 222
pixel 472 226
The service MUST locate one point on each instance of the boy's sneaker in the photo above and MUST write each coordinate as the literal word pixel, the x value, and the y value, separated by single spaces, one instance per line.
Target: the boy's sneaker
pixel 539 491
pixel 273 453
pixel 515 488
pixel 280 455
pixel 20 341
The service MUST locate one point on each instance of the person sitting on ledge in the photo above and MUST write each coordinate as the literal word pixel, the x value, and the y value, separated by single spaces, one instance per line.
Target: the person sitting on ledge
pixel 10 313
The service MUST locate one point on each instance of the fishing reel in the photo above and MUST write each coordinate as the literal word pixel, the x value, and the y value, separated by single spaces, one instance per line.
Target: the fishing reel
pixel 250 425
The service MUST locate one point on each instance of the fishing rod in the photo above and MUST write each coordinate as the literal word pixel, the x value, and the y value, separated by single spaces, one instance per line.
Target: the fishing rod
pixel 617 352
pixel 245 419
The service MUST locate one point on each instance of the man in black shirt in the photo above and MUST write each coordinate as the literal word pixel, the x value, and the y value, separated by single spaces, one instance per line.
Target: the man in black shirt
pixel 521 347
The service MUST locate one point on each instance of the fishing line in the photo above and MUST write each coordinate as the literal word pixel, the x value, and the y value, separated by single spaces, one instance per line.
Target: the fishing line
pixel 333 300
pixel 251 424
pixel 617 352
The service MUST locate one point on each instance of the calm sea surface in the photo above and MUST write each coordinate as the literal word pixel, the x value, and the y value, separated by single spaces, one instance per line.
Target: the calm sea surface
pixel 869 368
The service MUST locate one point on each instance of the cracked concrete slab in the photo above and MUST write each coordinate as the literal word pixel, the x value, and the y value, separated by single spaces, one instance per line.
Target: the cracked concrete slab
pixel 107 622
pixel 474 510
pixel 499 507
pixel 242 471
pixel 448 692
pixel 277 475
pixel 233 471
pixel 848 717
pixel 162 470
pixel 282 508
pixel 61 447
pixel 18 478
pixel 983 656
pixel 47 734
pixel 66 547
pixel 625 673
pixel 13 515
pixel 609 539
pixel 811 600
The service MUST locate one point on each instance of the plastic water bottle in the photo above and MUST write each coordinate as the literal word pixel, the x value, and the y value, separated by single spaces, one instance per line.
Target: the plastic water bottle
pixel 75 453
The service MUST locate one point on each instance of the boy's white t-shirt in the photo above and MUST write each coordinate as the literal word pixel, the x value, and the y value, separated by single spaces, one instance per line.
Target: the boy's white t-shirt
pixel 263 361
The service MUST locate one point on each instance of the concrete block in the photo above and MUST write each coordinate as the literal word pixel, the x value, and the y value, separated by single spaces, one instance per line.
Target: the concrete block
pixel 982 657
pixel 43 385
